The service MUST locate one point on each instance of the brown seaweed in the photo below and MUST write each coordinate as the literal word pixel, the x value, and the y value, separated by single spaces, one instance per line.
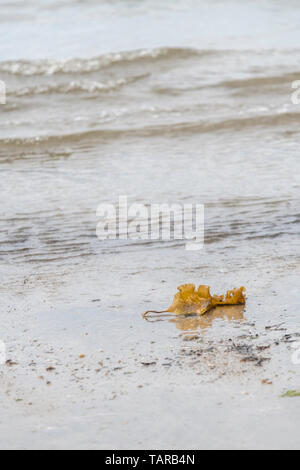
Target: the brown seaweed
pixel 191 301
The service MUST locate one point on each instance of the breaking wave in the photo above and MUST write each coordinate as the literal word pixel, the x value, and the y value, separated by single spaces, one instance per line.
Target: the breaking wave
pixel 97 135
pixel 76 86
pixel 82 66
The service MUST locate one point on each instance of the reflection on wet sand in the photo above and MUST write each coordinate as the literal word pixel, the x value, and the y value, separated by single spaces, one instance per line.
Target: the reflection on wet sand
pixel 196 322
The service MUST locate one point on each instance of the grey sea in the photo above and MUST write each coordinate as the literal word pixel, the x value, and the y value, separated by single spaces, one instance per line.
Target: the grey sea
pixel 192 101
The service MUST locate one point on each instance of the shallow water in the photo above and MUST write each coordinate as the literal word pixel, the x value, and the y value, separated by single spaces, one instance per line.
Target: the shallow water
pixel 165 102
pixel 200 114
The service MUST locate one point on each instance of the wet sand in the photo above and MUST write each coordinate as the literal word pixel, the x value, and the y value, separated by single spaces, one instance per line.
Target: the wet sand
pixel 174 103
pixel 89 372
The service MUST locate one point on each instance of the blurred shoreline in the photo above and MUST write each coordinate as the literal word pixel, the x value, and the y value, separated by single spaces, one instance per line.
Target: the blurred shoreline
pixel 161 102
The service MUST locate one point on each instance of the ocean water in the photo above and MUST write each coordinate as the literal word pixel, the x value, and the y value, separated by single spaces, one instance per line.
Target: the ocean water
pixel 160 101
pixel 185 101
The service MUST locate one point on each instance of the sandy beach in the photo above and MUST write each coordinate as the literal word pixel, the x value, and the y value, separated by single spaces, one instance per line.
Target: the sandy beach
pixel 194 105
pixel 93 374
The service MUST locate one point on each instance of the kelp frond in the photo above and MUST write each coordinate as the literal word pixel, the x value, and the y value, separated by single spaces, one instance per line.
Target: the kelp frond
pixel 191 301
